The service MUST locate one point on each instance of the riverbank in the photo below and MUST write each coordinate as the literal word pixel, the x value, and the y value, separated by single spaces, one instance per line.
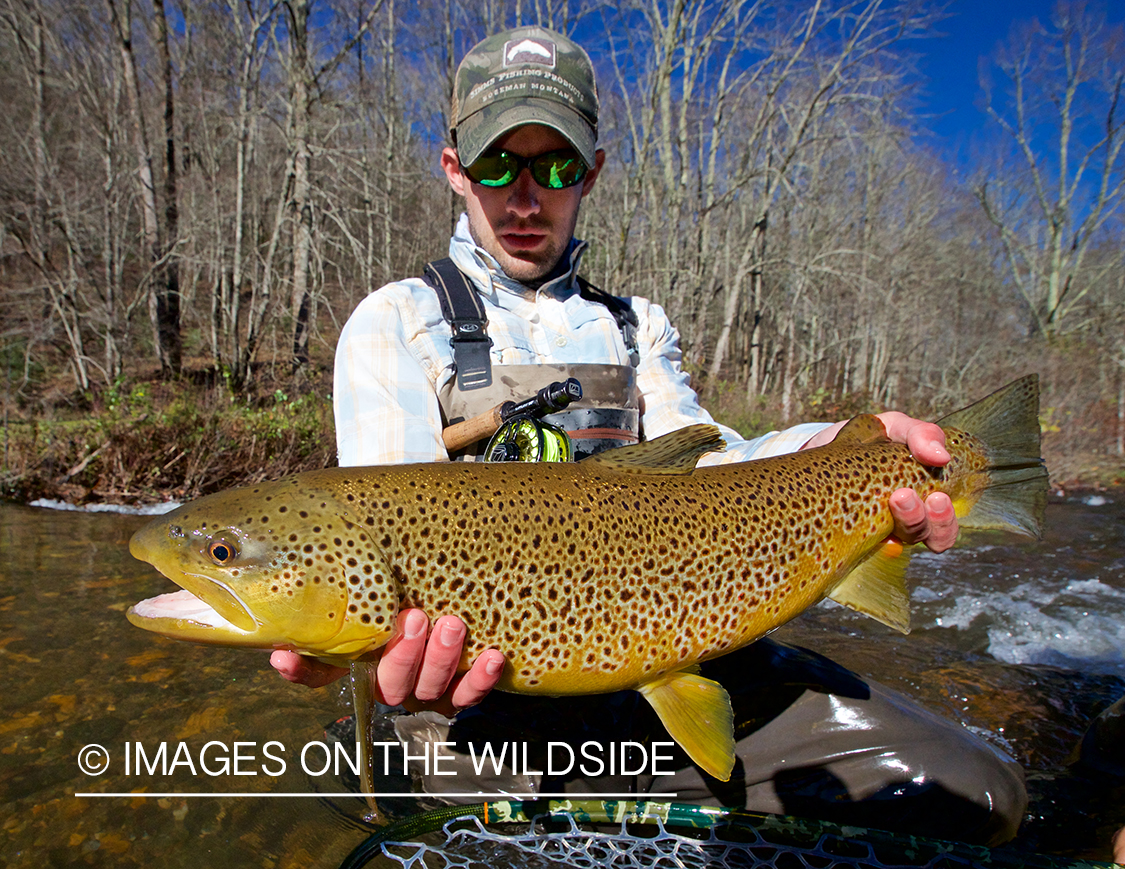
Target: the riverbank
pixel 147 440
pixel 150 441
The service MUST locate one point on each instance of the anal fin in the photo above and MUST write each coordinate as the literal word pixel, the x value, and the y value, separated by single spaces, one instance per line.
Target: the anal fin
pixel 877 587
pixel 697 714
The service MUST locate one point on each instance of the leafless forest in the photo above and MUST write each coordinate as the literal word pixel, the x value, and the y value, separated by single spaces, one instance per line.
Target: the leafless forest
pixel 213 186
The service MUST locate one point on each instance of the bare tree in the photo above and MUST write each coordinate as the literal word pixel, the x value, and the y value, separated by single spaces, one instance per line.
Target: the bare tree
pixel 306 80
pixel 1050 195
pixel 164 293
pixel 33 219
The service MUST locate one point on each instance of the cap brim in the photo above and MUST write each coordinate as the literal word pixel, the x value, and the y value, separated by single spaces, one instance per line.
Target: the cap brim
pixel 481 129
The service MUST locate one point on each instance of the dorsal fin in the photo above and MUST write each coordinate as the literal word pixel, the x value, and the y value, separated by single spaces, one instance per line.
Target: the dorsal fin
pixel 673 453
pixel 863 429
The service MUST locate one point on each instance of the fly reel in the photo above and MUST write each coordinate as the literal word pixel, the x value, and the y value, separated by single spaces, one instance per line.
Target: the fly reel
pixel 524 437
pixel 528 440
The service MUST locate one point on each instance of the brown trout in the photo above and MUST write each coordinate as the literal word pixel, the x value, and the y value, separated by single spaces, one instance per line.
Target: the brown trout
pixel 622 571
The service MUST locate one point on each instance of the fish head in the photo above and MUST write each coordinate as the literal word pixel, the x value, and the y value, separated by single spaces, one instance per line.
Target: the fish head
pixel 268 567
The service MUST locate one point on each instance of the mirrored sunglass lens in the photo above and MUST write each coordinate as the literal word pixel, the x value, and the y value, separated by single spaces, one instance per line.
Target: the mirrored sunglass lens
pixel 555 169
pixel 558 169
pixel 494 170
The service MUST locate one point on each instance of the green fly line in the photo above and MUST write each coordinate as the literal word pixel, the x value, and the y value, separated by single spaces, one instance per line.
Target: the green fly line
pixel 554 833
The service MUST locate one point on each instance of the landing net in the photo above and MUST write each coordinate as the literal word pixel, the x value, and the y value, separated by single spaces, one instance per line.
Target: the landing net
pixel 549 834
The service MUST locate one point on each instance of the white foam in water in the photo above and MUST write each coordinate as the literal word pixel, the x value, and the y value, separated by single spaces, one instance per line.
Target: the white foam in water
pixel 1080 625
pixel 141 510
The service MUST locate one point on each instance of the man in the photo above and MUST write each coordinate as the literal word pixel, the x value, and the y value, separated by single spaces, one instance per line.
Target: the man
pixel 524 156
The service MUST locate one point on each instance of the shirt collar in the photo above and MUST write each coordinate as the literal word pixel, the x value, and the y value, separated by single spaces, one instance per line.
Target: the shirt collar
pixel 485 273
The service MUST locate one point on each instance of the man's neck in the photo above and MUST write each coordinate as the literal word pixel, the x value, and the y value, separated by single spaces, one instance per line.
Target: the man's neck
pixel 560 269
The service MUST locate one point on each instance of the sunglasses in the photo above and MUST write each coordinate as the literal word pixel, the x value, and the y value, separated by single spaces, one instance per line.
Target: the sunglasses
pixel 555 170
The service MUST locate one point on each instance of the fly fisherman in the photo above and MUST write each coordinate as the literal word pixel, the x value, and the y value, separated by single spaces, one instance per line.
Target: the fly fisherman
pixel 815 739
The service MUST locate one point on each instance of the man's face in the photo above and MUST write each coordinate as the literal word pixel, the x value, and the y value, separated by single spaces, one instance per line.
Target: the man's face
pixel 525 227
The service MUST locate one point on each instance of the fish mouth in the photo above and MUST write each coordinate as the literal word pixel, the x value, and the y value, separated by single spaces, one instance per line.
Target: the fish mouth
pixel 183 615
pixel 156 544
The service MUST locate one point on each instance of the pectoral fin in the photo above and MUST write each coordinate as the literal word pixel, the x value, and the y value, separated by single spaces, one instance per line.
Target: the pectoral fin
pixel 877 587
pixel 697 714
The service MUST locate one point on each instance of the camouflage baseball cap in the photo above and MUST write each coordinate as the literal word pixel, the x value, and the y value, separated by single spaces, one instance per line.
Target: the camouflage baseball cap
pixel 529 75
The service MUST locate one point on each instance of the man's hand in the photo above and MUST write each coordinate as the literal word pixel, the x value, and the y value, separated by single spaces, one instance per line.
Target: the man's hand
pixel 418 668
pixel 933 521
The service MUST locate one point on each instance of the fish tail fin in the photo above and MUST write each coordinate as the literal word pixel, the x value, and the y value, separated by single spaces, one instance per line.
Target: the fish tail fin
pixel 1007 424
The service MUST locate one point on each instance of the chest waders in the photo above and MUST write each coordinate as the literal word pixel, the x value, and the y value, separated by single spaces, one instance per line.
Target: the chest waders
pixel 608 414
pixel 814 739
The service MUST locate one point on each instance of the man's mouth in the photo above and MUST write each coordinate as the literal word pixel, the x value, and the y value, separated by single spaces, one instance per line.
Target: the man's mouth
pixel 523 241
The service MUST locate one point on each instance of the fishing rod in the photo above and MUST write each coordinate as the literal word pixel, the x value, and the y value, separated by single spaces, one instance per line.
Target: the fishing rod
pixel 524 439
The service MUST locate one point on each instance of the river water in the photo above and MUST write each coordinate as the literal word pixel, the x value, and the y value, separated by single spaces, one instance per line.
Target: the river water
pixel 1021 641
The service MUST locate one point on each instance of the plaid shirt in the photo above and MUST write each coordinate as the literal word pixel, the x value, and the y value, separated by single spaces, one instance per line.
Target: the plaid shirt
pixel 394 356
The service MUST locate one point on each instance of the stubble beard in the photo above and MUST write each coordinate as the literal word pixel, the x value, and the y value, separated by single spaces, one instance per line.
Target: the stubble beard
pixel 530 270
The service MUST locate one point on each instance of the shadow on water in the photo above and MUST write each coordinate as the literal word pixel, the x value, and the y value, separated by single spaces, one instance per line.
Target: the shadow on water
pixel 1022 643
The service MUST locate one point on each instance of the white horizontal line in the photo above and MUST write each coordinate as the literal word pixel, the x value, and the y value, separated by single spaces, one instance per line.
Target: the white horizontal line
pixel 632 797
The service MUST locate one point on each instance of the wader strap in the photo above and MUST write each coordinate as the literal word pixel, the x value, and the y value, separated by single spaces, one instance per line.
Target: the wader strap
pixel 462 309
pixel 622 312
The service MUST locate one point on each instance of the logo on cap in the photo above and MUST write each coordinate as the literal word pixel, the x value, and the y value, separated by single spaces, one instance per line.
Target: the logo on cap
pixel 535 51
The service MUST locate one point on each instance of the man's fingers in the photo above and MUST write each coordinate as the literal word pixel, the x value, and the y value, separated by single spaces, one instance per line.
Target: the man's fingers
pixel 443 654
pixel 911 521
pixel 402 657
pixel 943 522
pixel 926 440
pixel 412 669
pixel 303 670
pixel 927 444
pixel 933 522
pixel 482 677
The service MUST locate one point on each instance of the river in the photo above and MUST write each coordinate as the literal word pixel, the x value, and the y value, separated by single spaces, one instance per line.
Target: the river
pixel 1021 641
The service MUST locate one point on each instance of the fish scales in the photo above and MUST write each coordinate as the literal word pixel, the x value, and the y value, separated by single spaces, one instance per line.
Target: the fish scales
pixel 622 571
pixel 583 572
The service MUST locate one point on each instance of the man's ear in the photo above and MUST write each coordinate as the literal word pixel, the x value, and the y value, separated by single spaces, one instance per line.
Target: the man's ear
pixel 451 165
pixel 592 175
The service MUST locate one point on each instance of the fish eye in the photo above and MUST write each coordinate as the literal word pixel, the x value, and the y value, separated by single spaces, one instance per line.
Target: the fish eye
pixel 222 552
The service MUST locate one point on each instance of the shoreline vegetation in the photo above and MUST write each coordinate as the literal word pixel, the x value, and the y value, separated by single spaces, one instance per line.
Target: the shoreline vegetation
pixel 191 206
pixel 148 439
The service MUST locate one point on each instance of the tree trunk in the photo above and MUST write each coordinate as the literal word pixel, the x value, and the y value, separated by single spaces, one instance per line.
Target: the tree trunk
pixel 166 307
pixel 301 203
pixel 163 310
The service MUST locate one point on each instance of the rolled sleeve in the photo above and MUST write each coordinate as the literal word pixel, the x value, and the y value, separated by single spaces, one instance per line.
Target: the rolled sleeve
pixel 386 404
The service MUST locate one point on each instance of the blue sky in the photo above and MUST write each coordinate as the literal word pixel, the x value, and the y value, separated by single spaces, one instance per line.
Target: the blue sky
pixel 950 62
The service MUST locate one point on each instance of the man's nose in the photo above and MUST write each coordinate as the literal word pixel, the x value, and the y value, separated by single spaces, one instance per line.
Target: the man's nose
pixel 523 198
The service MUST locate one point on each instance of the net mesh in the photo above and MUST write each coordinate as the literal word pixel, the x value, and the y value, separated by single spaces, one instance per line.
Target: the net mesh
pixel 468 844
pixel 626 834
